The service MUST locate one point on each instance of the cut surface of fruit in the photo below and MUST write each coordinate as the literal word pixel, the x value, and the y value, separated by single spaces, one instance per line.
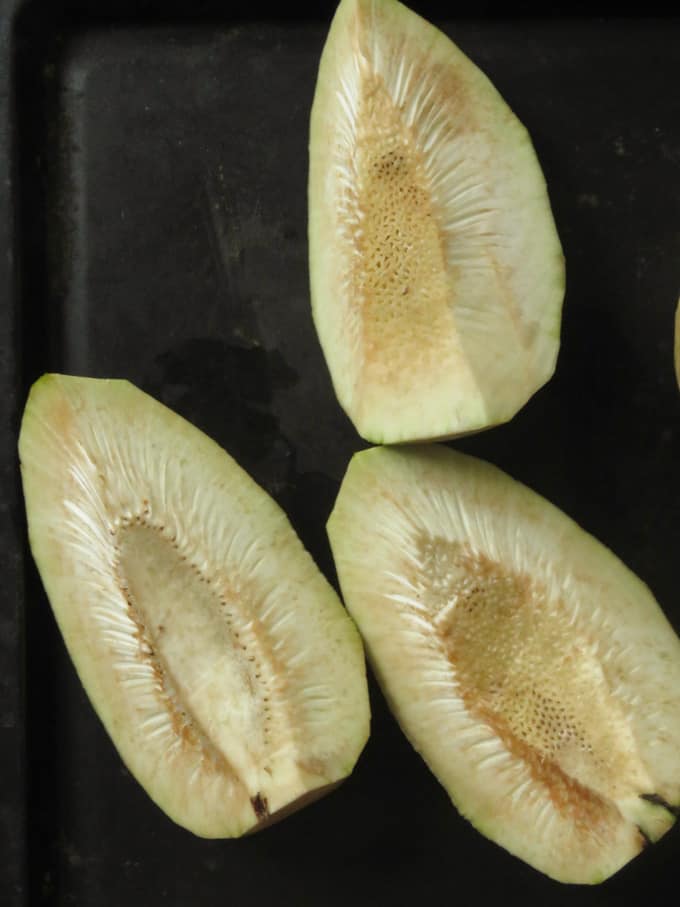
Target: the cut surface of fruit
pixel 437 275
pixel 535 674
pixel 221 662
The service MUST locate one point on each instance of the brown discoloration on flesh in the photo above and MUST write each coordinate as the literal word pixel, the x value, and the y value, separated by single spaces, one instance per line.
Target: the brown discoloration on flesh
pixel 452 90
pixel 527 672
pixel 183 725
pixel 303 800
pixel 62 415
pixel 260 806
pixel 399 274
pixel 312 766
pixel 584 807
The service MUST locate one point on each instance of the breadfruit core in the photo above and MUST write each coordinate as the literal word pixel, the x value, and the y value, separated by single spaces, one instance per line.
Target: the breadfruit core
pixel 533 671
pixel 436 271
pixel 225 669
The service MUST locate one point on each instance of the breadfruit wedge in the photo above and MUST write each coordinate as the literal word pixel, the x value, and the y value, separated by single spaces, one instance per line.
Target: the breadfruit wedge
pixel 222 664
pixel 533 671
pixel 437 275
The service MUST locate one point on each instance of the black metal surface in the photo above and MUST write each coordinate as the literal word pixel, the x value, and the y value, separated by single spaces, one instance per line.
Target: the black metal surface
pixel 162 197
pixel 12 752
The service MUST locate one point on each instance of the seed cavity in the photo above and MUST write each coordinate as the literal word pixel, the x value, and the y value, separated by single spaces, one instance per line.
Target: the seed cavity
pixel 398 273
pixel 524 671
pixel 185 621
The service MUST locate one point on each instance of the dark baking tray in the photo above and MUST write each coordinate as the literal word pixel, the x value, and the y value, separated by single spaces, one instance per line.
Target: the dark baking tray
pixel 153 213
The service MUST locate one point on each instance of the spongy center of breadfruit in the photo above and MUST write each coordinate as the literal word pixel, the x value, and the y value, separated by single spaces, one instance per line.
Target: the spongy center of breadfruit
pixel 534 678
pixel 210 684
pixel 399 277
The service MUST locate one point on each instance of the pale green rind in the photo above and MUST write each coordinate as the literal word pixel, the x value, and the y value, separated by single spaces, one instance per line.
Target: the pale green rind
pixel 512 350
pixel 388 492
pixel 62 417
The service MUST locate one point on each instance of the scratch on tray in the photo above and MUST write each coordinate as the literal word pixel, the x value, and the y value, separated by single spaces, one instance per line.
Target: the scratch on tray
pixel 232 232
pixel 223 225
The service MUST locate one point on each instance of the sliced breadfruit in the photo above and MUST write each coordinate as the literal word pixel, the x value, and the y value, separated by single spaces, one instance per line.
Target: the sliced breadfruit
pixel 222 664
pixel 535 674
pixel 437 275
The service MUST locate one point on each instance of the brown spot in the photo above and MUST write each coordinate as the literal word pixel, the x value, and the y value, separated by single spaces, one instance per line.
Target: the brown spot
pixel 182 727
pixel 260 806
pixel 293 806
pixel 62 416
pixel 312 766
